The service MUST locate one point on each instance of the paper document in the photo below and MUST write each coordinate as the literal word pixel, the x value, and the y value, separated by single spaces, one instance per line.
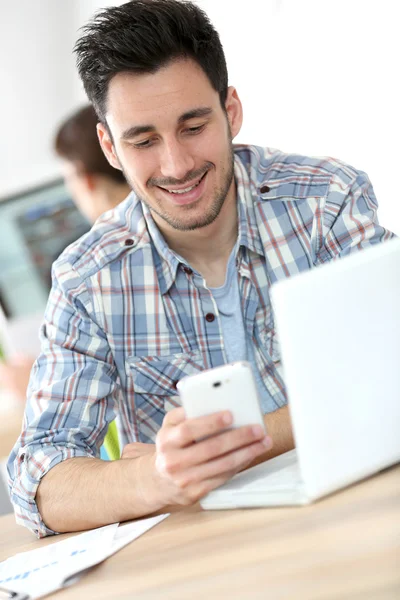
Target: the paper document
pixel 47 569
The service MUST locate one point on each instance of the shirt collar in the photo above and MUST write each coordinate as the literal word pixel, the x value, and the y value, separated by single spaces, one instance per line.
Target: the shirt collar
pixel 246 193
pixel 167 262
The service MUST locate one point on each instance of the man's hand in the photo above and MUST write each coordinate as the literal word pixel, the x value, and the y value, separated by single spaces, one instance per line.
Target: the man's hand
pixel 184 470
pixel 174 471
pixel 136 450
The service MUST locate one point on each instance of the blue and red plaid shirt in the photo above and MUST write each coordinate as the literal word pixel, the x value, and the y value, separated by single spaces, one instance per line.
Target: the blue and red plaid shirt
pixel 125 319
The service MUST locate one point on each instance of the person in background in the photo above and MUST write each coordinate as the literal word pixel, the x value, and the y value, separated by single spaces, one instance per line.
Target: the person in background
pixel 173 281
pixel 95 187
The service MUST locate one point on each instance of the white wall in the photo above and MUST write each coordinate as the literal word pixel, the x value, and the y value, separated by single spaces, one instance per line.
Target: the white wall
pixel 320 77
pixel 39 84
pixel 315 76
pixel 35 76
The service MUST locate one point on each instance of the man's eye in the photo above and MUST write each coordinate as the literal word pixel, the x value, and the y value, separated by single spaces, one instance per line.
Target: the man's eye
pixel 144 144
pixel 194 130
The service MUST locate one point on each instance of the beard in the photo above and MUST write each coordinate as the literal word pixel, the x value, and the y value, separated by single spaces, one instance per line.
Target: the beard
pixel 189 220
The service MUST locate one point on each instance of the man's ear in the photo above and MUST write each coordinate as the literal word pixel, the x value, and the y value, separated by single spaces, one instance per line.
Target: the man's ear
pixel 234 111
pixel 107 146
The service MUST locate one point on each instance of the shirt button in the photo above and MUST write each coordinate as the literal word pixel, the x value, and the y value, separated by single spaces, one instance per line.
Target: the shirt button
pixel 22 457
pixel 188 270
pixel 210 317
pixel 129 242
pixel 265 189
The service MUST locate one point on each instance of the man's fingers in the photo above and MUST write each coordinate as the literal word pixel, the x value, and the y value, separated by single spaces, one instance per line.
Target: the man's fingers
pixel 189 430
pixel 174 417
pixel 198 490
pixel 212 447
pixel 226 442
pixel 197 482
pixel 225 465
pixel 194 469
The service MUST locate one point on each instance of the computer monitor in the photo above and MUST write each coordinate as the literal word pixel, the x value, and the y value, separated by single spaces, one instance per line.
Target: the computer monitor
pixel 35 227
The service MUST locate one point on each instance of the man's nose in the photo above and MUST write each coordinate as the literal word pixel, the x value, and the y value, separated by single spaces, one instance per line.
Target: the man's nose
pixel 175 160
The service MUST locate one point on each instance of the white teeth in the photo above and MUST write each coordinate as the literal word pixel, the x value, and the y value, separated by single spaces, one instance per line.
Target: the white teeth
pixel 185 190
pixel 182 191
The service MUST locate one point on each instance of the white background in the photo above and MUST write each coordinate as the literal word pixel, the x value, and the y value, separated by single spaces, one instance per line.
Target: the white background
pixel 317 77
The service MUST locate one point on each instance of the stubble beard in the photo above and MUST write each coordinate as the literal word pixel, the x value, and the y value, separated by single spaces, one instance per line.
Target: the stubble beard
pixel 203 220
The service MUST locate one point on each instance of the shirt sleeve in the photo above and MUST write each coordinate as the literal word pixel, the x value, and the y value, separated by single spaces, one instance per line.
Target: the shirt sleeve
pixel 348 219
pixel 72 394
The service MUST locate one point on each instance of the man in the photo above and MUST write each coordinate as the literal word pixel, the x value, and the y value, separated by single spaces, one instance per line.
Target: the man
pixel 173 281
pixel 95 187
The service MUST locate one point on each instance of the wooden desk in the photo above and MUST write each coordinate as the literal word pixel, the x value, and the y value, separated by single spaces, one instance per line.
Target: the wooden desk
pixel 346 546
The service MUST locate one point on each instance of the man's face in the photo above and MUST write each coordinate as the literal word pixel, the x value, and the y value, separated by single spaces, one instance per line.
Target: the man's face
pixel 173 141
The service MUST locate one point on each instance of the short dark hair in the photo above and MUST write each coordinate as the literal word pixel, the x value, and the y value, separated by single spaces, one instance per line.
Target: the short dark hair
pixel 76 140
pixel 141 36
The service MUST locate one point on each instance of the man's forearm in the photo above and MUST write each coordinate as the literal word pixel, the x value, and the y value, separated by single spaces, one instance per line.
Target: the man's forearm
pixel 83 493
pixel 279 427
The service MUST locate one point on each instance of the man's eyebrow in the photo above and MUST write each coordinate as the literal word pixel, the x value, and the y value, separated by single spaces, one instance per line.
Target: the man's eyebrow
pixel 195 114
pixel 136 130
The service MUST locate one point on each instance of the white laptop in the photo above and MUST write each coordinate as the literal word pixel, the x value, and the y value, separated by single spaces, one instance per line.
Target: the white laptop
pixel 339 332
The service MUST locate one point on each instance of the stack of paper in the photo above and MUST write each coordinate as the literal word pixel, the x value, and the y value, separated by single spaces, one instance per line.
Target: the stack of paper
pixel 47 569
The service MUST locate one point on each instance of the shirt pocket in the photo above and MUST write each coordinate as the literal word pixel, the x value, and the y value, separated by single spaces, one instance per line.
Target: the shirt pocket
pixel 296 187
pixel 155 379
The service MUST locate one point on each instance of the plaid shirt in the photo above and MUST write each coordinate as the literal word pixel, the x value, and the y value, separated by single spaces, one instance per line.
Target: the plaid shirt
pixel 125 319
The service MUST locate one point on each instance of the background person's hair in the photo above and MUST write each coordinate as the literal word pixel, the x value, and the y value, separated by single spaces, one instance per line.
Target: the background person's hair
pixel 142 36
pixel 77 141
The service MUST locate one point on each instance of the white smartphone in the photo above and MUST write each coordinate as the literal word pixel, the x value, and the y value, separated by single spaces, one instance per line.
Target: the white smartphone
pixel 229 387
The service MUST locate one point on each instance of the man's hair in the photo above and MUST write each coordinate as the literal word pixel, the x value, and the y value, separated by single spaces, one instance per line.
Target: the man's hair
pixel 77 141
pixel 142 36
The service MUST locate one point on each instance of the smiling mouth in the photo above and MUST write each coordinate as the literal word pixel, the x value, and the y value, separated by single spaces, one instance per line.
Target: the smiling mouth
pixel 186 189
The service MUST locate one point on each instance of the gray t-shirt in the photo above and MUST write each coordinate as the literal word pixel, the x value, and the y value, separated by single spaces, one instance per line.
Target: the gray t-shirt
pixel 238 346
